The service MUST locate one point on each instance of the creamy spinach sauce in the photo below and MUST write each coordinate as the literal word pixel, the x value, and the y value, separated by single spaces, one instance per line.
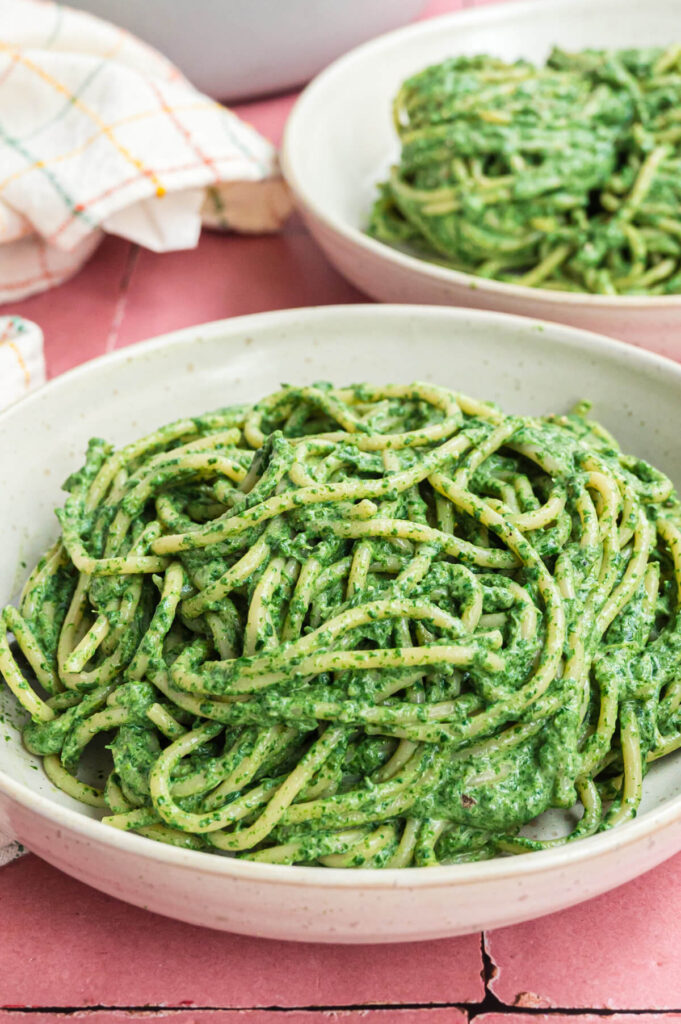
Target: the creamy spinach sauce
pixel 563 177
pixel 370 626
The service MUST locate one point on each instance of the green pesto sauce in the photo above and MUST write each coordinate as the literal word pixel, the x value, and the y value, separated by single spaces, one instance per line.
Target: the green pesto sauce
pixel 358 627
pixel 563 176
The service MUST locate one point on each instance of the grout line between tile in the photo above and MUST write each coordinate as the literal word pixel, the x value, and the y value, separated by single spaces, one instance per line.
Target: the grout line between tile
pixel 471 1010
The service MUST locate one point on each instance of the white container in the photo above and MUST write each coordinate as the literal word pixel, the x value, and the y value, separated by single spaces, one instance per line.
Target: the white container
pixel 235 49
pixel 340 142
pixel 524 365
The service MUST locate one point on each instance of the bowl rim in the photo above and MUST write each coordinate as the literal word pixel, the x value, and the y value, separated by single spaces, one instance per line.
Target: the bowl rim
pixel 495 870
pixel 297 133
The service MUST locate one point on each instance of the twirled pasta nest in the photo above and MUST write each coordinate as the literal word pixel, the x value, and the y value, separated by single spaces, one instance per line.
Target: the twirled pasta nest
pixel 564 177
pixel 379 626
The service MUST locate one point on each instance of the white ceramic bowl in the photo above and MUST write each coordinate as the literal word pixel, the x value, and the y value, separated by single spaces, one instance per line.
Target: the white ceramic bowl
pixel 340 142
pixel 524 365
pixel 234 49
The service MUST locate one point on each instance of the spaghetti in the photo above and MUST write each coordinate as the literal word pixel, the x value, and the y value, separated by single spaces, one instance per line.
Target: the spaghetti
pixel 564 177
pixel 376 626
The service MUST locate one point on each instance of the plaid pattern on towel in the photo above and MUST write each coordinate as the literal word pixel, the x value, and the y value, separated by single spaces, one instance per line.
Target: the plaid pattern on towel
pixel 99 132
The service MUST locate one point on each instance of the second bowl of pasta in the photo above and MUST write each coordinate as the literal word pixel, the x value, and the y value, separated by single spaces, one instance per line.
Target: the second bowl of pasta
pixel 521 158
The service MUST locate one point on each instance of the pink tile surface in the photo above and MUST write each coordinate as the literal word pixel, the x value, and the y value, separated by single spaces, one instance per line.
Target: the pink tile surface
pixel 582 1018
pixel 63 944
pixel 226 276
pixel 448 1015
pixel 621 951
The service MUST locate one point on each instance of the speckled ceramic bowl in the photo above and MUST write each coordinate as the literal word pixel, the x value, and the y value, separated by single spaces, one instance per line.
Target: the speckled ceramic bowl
pixel 526 366
pixel 340 142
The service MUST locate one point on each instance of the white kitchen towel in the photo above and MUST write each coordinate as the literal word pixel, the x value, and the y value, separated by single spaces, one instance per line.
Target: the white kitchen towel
pixel 99 132
pixel 22 364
